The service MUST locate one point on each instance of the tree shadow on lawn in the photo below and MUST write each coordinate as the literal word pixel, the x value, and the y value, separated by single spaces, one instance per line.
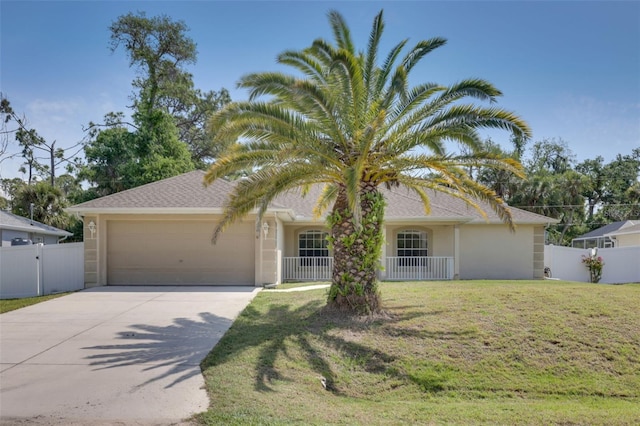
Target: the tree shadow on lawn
pixel 179 346
pixel 310 327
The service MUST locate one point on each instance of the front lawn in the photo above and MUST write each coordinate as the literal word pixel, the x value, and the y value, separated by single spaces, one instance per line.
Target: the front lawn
pixel 494 352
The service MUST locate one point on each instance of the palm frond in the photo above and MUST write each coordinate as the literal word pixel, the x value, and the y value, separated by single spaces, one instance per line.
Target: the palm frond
pixel 387 66
pixel 421 49
pixel 341 31
pixel 372 51
pixel 304 63
pixel 350 123
pixel 327 197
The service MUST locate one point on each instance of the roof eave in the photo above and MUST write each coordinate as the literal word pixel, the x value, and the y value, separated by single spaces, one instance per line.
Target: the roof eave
pixel 452 220
pixel 84 211
pixel 480 221
pixel 37 230
pixel 615 234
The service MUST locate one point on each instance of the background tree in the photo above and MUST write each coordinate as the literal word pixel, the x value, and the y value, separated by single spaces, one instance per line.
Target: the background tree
pixel 504 182
pixel 118 159
pixel 6 115
pixel 10 187
pixel 48 204
pixel 160 49
pixel 594 189
pixel 32 144
pixel 620 189
pixel 353 125
pixel 108 156
pixel 552 188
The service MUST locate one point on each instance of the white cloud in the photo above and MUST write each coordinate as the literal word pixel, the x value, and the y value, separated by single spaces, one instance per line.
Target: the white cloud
pixel 60 107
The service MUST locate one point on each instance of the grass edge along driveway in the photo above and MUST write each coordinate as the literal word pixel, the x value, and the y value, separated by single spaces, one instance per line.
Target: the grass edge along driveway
pixel 457 352
pixel 8 305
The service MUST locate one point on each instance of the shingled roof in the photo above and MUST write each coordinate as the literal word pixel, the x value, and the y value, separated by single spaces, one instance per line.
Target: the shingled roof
pixel 186 193
pixel 20 223
pixel 607 229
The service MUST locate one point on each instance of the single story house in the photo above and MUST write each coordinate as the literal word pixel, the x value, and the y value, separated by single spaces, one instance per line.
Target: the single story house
pixel 160 234
pixel 602 237
pixel 17 227
pixel 628 236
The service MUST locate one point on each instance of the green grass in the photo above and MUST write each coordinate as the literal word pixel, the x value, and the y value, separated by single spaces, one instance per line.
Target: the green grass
pixel 477 352
pixel 7 305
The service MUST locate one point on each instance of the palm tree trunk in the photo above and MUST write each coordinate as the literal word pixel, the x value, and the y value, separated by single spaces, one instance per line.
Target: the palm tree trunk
pixel 356 252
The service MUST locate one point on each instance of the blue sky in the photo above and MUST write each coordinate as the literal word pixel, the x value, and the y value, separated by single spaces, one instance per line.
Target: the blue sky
pixel 570 69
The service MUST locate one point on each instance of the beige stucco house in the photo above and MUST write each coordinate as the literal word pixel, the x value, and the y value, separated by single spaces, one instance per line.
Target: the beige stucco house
pixel 160 234
pixel 628 236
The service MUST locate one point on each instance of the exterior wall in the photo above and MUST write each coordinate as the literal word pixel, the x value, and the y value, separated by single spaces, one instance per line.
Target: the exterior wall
pixel 538 252
pixel 48 239
pixel 291 233
pixel 494 252
pixel 440 238
pixel 628 240
pixel 9 234
pixel 481 251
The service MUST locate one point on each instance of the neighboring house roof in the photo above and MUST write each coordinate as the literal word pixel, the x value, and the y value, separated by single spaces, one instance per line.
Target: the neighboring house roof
pixel 632 229
pixel 187 194
pixel 607 229
pixel 19 223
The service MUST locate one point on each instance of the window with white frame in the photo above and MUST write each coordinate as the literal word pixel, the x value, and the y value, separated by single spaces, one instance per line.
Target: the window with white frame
pixel 411 243
pixel 313 244
pixel 313 248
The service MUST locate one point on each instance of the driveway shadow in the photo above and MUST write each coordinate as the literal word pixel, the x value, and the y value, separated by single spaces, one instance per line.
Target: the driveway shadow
pixel 180 346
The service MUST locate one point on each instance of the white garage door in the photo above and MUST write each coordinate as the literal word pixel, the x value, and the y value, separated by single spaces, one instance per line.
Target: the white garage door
pixel 164 252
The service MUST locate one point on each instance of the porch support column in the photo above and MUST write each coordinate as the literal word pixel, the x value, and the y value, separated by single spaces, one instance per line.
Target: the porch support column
pixel 91 253
pixel 382 273
pixel 258 256
pixel 267 258
pixel 456 252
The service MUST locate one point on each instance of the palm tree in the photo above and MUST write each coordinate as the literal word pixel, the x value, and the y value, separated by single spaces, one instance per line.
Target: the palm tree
pixel 48 204
pixel 353 125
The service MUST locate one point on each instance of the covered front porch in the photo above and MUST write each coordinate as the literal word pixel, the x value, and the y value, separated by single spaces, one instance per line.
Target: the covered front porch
pixel 411 252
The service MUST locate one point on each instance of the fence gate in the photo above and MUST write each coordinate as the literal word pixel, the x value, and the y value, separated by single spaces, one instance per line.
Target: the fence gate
pixel 35 270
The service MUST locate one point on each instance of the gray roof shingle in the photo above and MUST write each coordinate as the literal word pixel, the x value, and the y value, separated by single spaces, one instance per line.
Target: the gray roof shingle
pixel 632 228
pixel 183 191
pixel 187 191
pixel 607 229
pixel 15 222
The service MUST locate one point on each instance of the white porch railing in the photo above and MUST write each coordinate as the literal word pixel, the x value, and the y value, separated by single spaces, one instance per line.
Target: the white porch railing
pixel 307 268
pixel 418 268
pixel 396 268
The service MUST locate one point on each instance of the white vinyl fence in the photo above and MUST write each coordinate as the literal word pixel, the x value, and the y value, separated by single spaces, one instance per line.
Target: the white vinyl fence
pixel 621 265
pixel 421 268
pixel 307 268
pixel 37 270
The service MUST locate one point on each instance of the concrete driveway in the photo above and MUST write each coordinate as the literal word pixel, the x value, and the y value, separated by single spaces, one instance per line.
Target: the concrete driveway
pixel 113 355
